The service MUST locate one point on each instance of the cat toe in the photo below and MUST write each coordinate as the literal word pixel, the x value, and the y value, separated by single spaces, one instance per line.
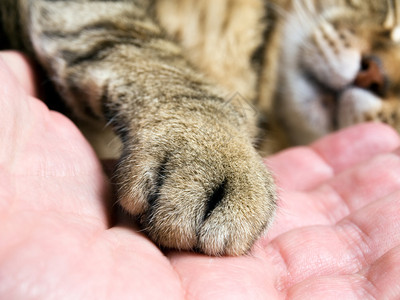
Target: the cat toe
pixel 217 201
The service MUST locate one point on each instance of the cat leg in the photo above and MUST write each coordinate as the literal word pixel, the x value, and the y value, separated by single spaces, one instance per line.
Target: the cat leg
pixel 188 169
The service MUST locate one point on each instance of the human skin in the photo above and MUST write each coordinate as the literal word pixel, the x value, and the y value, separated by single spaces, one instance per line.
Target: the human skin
pixel 336 233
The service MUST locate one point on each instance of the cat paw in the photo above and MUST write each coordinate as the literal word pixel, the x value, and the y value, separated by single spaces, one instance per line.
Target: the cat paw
pixel 203 191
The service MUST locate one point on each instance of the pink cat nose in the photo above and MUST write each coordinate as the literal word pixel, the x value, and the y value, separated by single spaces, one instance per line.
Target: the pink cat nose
pixel 370 76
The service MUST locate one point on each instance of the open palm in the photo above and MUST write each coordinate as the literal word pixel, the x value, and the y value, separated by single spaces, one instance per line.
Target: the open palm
pixel 336 233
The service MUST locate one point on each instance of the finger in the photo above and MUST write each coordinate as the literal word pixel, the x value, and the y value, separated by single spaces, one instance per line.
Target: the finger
pixel 360 186
pixel 298 169
pixel 21 69
pixel 353 189
pixel 304 168
pixel 354 145
pixel 340 196
pixel 346 248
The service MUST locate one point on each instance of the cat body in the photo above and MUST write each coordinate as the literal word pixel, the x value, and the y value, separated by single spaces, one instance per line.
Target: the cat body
pixel 190 87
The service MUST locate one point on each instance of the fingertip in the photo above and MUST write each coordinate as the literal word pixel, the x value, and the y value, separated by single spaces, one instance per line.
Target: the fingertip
pixel 356 144
pixel 298 168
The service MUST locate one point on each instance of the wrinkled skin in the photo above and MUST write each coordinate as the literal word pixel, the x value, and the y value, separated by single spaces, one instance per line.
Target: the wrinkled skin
pixel 337 232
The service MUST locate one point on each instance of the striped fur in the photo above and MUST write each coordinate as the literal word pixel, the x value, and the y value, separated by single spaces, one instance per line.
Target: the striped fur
pixel 186 84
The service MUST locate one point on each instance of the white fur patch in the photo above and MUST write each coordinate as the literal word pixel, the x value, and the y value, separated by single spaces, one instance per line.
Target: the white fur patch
pixel 354 104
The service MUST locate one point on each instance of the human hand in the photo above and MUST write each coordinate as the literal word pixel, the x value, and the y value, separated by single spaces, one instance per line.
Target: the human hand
pixel 336 234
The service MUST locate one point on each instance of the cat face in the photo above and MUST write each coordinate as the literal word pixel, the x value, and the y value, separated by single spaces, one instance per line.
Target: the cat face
pixel 340 65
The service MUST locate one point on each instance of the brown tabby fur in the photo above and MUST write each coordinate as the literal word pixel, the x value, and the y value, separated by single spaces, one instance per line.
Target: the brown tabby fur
pixel 186 85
